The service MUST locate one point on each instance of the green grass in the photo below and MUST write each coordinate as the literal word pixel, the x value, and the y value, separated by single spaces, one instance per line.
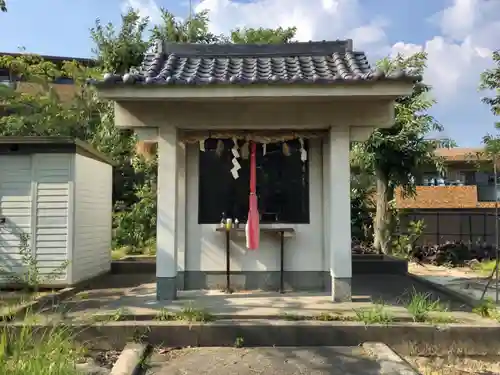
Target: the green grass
pixel 487 309
pixel 187 314
pixel 36 352
pixel 118 253
pixel 121 252
pixel 419 305
pixel 485 268
pixel 377 314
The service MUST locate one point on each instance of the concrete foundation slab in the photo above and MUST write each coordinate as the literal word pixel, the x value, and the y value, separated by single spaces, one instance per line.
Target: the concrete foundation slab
pixel 271 360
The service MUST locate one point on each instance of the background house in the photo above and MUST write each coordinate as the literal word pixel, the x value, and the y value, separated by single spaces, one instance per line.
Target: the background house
pixel 456 206
pixel 63 85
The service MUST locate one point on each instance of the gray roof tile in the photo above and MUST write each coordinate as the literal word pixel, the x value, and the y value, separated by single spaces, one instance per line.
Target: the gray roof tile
pixel 195 64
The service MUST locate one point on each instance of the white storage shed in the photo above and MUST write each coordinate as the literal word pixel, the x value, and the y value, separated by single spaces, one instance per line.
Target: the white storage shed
pixel 58 192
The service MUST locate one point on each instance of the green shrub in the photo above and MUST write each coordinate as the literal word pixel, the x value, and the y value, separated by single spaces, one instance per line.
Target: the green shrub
pixel 135 227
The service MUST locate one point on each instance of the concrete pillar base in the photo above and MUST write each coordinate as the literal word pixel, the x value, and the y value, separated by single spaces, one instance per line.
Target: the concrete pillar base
pixel 166 288
pixel 341 289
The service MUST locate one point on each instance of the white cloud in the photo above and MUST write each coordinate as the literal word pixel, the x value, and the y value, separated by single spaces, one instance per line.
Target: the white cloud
pixel 314 19
pixel 146 8
pixel 470 30
pixel 457 21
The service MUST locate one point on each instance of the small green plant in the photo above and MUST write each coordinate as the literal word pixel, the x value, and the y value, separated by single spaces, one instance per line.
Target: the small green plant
pixel 31 278
pixel 332 317
pixel 118 315
pixel 83 296
pixel 403 244
pixel 188 314
pixel 115 316
pixel 239 342
pixel 140 334
pixel 374 315
pixel 164 315
pixel 192 314
pixel 487 309
pixel 419 305
pixel 292 317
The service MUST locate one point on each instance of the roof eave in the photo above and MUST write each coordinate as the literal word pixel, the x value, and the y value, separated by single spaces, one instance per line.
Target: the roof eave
pixel 389 89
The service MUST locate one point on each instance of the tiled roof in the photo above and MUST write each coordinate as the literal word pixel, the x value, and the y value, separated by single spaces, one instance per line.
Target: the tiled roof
pixel 442 197
pixel 312 62
pixel 460 154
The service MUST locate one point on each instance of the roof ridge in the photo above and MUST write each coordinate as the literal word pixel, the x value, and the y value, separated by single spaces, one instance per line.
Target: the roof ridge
pixel 313 48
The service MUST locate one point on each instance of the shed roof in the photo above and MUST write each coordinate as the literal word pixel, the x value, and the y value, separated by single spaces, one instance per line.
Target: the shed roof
pixel 326 62
pixel 43 145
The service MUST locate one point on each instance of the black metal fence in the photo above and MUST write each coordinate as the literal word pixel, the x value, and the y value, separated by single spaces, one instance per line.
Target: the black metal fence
pixel 442 226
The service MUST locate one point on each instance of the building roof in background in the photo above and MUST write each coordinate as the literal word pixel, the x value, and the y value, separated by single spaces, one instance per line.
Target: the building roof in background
pixel 55 59
pixel 461 153
pixel 324 62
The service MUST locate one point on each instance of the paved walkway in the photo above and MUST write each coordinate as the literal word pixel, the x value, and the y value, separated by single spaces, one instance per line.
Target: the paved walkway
pixel 276 361
pixel 139 300
pixel 460 280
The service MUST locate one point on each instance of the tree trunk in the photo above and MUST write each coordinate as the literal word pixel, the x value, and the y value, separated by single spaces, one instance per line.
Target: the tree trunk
pixel 383 216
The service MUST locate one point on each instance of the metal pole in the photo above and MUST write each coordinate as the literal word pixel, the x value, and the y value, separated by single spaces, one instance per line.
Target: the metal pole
pixel 496 227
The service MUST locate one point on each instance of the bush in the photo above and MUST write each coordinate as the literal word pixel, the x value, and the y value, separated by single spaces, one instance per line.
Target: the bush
pixel 135 228
pixel 453 253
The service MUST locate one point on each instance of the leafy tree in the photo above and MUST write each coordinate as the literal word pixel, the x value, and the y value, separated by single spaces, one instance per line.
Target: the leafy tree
pixel 490 80
pixel 192 30
pixel 117 52
pixel 34 106
pixel 135 223
pixel 362 203
pixel 395 155
pixel 3 6
pixel 263 35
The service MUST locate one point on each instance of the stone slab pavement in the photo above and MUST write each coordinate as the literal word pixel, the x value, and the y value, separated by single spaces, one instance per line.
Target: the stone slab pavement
pixel 461 280
pixel 140 300
pixel 273 360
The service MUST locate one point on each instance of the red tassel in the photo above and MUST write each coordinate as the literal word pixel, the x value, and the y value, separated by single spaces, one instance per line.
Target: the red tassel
pixel 252 226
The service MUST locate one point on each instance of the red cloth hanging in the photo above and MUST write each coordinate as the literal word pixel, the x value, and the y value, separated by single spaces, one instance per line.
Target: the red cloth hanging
pixel 252 226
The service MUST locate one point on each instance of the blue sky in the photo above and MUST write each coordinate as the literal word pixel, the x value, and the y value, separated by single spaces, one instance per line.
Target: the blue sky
pixel 458 36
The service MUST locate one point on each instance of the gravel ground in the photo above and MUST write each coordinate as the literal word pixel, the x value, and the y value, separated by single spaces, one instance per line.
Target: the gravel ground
pixel 271 360
pixel 480 365
pixel 98 362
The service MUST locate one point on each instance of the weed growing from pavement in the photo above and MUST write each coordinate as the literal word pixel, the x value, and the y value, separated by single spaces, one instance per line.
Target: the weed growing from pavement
pixel 164 315
pixel 114 316
pixel 377 314
pixel 487 309
pixel 419 305
pixel 292 317
pixel 187 314
pixel 239 342
pixel 333 317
